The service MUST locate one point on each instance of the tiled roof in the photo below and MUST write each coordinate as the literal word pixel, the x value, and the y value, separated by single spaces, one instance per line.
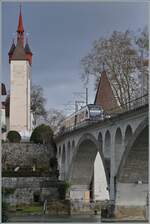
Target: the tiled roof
pixel 7 105
pixel 19 52
pixel 11 51
pixel 27 49
pixel 104 95
pixel 3 89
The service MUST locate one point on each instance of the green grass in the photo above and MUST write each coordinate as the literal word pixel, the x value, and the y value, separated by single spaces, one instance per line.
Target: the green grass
pixel 32 209
pixel 26 209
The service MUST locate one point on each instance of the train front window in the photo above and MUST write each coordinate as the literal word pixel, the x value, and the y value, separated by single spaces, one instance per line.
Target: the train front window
pixel 94 112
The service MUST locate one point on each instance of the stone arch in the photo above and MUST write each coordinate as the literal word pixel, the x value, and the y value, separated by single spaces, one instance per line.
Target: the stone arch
pixel 107 148
pixel 132 176
pixel 59 151
pixel 118 147
pixel 128 134
pixel 107 144
pixel 73 144
pixel 59 157
pixel 100 140
pixel 82 167
pixel 69 152
pixel 63 162
pixel 139 140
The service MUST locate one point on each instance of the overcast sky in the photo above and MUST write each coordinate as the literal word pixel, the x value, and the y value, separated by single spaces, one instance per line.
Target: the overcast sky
pixel 60 34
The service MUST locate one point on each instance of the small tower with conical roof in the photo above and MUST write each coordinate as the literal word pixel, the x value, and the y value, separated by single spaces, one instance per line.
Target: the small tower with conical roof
pixel 20 59
pixel 104 95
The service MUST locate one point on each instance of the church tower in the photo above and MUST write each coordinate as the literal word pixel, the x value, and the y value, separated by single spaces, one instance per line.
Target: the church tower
pixel 20 59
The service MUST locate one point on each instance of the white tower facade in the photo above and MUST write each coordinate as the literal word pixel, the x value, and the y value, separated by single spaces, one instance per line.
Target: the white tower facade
pixel 20 96
pixel 20 59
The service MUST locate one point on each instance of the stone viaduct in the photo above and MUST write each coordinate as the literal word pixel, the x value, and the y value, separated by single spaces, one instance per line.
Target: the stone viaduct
pixel 122 143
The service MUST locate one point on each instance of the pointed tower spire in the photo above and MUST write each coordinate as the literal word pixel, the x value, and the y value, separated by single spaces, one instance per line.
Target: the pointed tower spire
pixel 20 30
pixel 104 95
pixel 20 22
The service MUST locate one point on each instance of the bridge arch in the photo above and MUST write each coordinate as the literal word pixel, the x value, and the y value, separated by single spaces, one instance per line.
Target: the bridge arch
pixel 68 152
pixel 73 144
pixel 82 167
pixel 118 147
pixel 107 144
pixel 100 140
pixel 132 176
pixel 128 134
pixel 59 156
pixel 139 140
pixel 63 162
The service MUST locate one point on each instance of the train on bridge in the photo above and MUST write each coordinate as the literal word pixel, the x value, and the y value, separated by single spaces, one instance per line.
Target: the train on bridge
pixel 90 112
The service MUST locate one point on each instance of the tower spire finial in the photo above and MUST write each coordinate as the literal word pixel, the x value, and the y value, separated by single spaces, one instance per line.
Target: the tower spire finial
pixel 103 66
pixel 20 30
pixel 20 22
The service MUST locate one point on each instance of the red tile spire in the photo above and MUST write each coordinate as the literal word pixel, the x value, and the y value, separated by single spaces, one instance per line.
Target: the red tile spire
pixel 20 29
pixel 20 23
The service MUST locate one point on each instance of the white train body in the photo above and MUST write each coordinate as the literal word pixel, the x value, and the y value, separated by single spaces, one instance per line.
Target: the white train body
pixel 89 112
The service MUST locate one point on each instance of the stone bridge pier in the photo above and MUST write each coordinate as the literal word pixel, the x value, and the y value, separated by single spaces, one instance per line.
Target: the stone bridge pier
pixel 108 160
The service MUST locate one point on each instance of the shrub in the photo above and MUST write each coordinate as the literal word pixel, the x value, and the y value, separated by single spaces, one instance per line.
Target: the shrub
pixel 13 136
pixel 3 128
pixel 53 163
pixel 7 191
pixel 42 134
pixel 4 211
pixel 62 189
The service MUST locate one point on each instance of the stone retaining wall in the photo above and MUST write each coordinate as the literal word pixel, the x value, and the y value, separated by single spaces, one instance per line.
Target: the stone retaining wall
pixel 24 189
pixel 26 155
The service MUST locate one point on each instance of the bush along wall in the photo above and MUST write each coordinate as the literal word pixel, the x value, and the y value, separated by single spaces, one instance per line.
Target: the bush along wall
pixel 42 134
pixel 14 137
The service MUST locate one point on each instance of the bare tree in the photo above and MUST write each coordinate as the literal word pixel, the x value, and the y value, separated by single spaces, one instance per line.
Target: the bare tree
pixel 142 42
pixel 120 56
pixel 37 103
pixel 54 118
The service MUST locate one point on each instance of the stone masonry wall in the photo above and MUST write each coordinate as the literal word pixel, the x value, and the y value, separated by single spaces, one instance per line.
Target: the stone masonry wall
pixel 25 188
pixel 25 154
pixel 33 175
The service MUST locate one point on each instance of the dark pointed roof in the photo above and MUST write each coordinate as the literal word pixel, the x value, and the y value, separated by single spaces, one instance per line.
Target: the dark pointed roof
pixel 7 105
pixel 20 23
pixel 3 89
pixel 27 49
pixel 104 95
pixel 12 48
pixel 19 52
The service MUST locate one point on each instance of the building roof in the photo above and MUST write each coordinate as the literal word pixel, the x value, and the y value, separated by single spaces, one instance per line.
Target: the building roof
pixel 27 49
pixel 3 89
pixel 104 95
pixel 7 105
pixel 19 52
pixel 12 48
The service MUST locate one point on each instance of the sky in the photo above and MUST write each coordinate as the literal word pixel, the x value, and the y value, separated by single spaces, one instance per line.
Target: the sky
pixel 60 34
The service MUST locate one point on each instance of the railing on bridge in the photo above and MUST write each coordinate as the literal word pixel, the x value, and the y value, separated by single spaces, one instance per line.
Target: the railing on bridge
pixel 130 105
